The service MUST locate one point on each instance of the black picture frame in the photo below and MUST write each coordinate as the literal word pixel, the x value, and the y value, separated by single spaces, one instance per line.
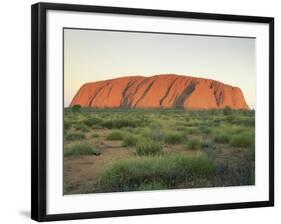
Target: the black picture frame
pixel 39 108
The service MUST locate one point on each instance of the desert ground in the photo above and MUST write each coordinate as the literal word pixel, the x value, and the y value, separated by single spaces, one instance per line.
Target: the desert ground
pixel 116 150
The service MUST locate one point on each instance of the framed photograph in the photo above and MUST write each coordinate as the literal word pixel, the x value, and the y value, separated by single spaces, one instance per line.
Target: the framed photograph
pixel 140 111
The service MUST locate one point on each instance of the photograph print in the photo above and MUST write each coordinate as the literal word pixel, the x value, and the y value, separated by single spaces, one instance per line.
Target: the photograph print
pixel 148 111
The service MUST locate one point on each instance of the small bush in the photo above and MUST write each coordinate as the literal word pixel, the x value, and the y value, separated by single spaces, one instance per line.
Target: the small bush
pixel 121 123
pixel 115 135
pixel 148 148
pixel 129 140
pixel 145 132
pixel 152 133
pixel 174 138
pixel 157 134
pixel 227 110
pixel 81 127
pixel 81 149
pixel 221 138
pixel 73 136
pixel 90 121
pixel 205 129
pixel 242 141
pixel 194 144
pixel 76 108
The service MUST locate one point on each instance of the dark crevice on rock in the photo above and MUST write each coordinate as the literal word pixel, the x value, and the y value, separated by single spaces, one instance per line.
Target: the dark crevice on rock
pixel 178 103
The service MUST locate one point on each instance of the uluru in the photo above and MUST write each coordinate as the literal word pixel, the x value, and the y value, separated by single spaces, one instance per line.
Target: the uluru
pixel 160 91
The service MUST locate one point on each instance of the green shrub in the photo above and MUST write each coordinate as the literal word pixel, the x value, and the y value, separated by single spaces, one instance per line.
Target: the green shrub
pixel 76 108
pixel 194 144
pixel 73 136
pixel 81 127
pixel 153 133
pixel 148 148
pixel 90 121
pixel 157 134
pixel 159 172
pixel 243 141
pixel 115 135
pixel 81 149
pixel 174 138
pixel 245 121
pixel 129 140
pixel 221 138
pixel 121 123
pixel 145 132
pixel 227 110
pixel 205 129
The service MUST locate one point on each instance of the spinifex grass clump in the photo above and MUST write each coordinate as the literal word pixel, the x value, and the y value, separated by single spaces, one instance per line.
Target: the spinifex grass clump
pixel 164 172
pixel 148 148
pixel 81 127
pixel 194 144
pixel 243 140
pixel 121 123
pixel 115 135
pixel 72 136
pixel 90 121
pixel 81 149
pixel 175 138
pixel 130 140
pixel 221 138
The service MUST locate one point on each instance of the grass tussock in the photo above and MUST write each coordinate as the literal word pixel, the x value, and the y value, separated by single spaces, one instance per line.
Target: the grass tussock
pixel 221 138
pixel 90 121
pixel 175 138
pixel 81 127
pixel 161 172
pixel 148 148
pixel 194 144
pixel 81 149
pixel 115 135
pixel 73 136
pixel 130 140
pixel 242 141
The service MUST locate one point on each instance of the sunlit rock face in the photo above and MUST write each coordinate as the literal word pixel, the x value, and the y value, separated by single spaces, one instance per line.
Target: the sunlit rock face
pixel 160 91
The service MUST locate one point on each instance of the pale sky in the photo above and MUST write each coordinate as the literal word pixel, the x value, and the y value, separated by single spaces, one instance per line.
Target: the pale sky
pixel 92 55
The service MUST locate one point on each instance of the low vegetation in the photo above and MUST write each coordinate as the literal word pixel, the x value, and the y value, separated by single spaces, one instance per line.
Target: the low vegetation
pixel 148 148
pixel 74 135
pixel 161 172
pixel 81 149
pixel 157 149
pixel 194 144
pixel 115 135
pixel 130 140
